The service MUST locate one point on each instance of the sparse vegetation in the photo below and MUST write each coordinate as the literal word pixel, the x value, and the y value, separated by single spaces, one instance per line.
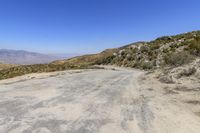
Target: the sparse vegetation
pixel 167 51
pixel 194 46
pixel 6 66
pixel 178 59
pixel 81 62
pixel 164 51
pixel 38 68
pixel 187 72
pixel 145 65
pixel 166 79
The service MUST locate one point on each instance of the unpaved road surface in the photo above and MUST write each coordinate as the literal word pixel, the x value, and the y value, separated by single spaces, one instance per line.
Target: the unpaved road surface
pixel 90 101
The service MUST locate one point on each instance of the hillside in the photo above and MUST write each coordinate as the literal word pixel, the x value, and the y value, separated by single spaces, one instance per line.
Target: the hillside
pixel 80 62
pixel 164 52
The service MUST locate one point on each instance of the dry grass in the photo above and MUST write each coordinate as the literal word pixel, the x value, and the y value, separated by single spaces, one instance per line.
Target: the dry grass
pixel 6 66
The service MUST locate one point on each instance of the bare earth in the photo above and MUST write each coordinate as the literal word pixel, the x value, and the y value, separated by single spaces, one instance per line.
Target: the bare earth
pixel 94 101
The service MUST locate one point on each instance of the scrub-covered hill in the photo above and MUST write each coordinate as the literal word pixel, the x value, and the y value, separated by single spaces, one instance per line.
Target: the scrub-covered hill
pixel 162 52
pixel 167 51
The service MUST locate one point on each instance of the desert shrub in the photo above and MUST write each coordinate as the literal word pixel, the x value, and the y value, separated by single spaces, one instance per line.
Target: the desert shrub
pixel 131 57
pixel 152 55
pixel 178 59
pixel 174 46
pixel 184 43
pixel 163 40
pixel 166 50
pixel 144 49
pixel 133 50
pixel 166 79
pixel 194 46
pixel 187 72
pixel 132 64
pixel 173 49
pixel 147 65
pixel 154 46
pixel 106 60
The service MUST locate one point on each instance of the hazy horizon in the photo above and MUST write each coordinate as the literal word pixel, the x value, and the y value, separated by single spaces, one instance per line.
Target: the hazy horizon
pixel 61 27
pixel 4 49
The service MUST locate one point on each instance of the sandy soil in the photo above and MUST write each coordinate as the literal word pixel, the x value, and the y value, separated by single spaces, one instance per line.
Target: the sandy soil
pixel 96 101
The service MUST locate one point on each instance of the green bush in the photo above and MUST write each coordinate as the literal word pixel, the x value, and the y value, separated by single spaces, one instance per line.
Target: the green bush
pixel 178 59
pixel 194 46
pixel 144 65
pixel 144 49
pixel 147 65
pixel 154 46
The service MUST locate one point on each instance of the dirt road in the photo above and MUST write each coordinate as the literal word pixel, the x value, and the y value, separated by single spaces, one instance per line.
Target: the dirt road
pixel 90 101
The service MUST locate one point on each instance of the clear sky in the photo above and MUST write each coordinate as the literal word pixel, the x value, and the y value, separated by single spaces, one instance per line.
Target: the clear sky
pixel 89 26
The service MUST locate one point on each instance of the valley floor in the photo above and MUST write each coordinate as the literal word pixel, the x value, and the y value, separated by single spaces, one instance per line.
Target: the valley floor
pixel 95 101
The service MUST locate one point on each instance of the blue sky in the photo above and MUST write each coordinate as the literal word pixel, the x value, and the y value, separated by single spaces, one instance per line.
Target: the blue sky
pixel 89 26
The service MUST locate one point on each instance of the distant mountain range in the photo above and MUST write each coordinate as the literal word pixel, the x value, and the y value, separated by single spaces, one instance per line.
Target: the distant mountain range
pixel 25 57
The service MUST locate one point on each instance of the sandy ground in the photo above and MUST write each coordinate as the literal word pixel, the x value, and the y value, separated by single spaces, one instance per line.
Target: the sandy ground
pixel 95 101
